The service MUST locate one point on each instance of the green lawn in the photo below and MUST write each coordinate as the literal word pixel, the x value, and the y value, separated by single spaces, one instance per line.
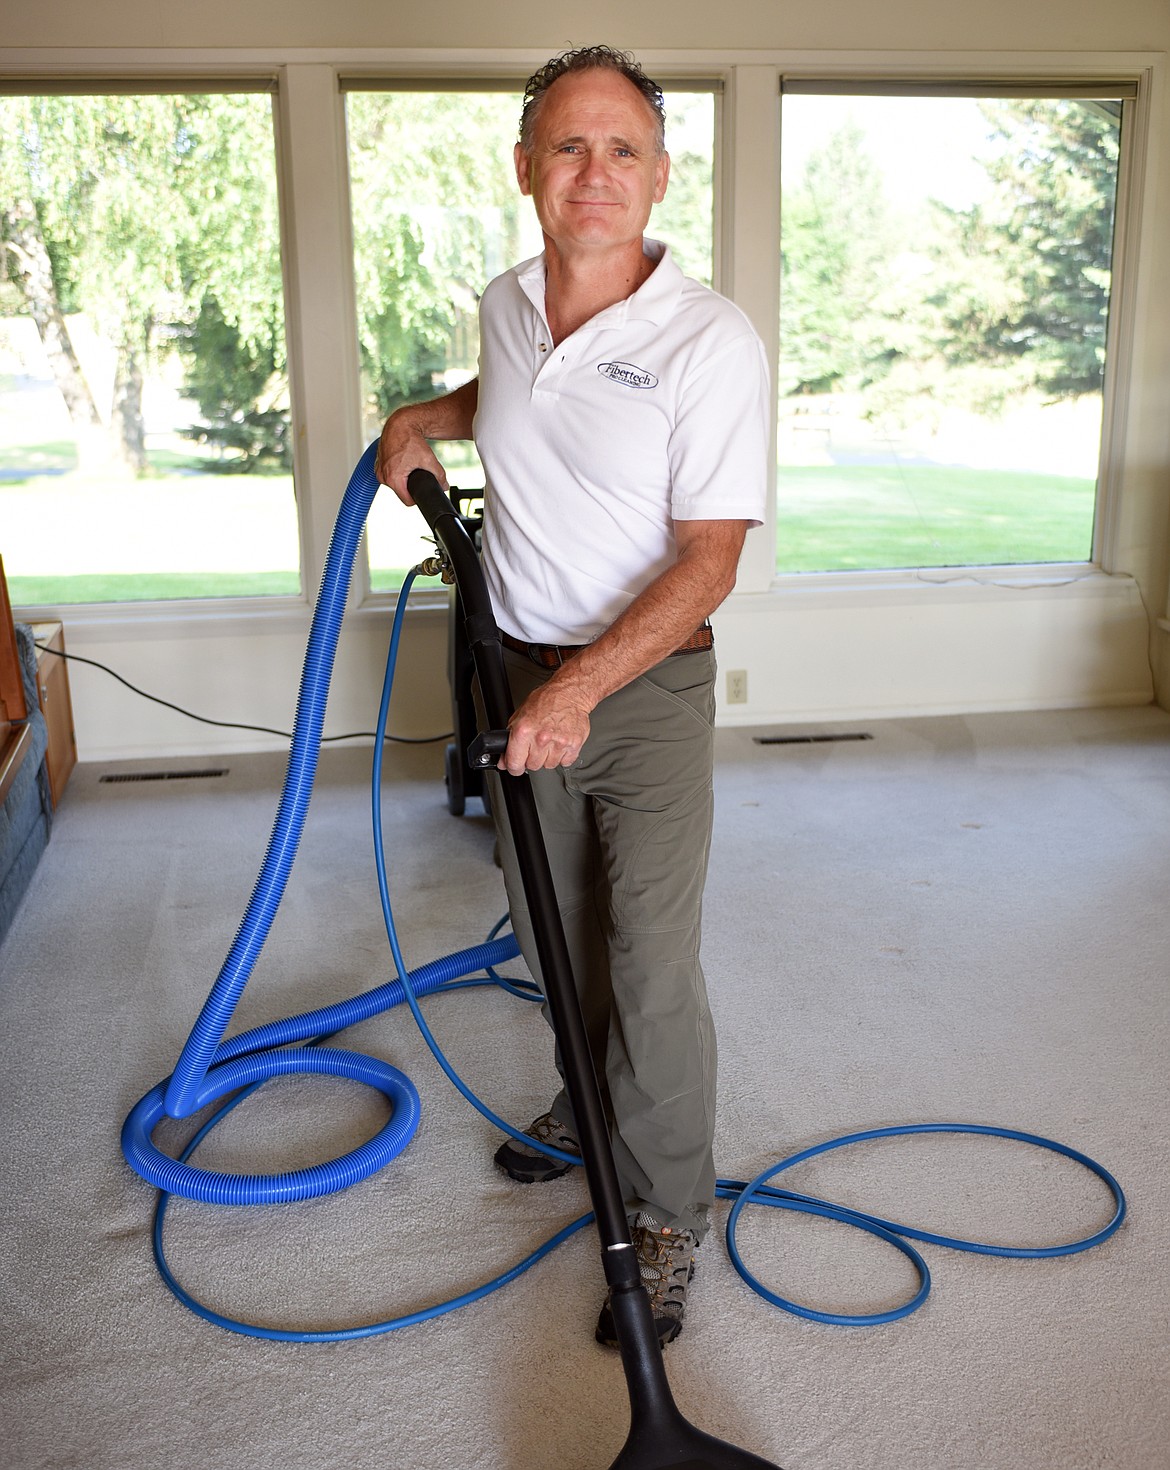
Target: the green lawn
pixel 111 532
pixel 55 456
pixel 829 518
pixel 869 517
pixel 149 587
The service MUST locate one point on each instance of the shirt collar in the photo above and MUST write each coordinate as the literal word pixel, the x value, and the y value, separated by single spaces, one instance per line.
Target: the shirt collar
pixel 653 301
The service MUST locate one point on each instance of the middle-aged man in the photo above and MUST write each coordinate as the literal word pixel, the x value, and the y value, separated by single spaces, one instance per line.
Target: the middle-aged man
pixel 621 415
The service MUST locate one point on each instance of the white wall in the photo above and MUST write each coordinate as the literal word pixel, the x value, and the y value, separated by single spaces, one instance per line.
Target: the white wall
pixel 813 648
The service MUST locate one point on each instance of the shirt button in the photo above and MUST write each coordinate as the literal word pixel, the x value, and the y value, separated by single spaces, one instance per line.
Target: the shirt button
pixel 543 346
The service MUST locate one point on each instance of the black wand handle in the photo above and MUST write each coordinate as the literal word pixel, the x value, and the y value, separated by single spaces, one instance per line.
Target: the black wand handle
pixel 532 858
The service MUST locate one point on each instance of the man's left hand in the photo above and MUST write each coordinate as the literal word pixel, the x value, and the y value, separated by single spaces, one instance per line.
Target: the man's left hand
pixel 548 730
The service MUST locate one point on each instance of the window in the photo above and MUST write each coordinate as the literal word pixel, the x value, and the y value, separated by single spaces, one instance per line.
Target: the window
pixel 946 280
pixel 144 421
pixel 436 214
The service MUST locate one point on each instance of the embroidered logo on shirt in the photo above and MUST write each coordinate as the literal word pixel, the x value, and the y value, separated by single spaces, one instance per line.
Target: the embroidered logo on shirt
pixel 627 373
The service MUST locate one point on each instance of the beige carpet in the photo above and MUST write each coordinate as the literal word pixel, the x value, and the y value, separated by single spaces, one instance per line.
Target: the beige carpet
pixel 960 919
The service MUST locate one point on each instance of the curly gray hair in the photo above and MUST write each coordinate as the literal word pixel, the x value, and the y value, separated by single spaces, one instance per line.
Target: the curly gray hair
pixel 589 58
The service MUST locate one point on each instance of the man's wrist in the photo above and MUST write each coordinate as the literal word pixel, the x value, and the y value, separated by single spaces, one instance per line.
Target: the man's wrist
pixel 588 678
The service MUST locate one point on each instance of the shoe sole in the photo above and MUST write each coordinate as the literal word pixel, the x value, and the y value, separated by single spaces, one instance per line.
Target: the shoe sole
pixel 526 1169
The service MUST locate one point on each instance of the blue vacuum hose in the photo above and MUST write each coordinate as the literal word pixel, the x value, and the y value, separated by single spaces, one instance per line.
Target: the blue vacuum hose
pixel 183 1090
pixel 209 1068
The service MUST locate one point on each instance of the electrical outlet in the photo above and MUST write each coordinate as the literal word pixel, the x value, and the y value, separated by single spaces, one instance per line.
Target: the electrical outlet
pixel 737 686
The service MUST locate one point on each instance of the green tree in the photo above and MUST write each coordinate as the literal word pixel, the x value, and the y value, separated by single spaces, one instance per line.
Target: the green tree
pixel 436 212
pixel 1025 275
pixel 232 335
pixel 970 306
pixel 837 236
pixel 142 206
pixel 685 217
pixel 240 389
pixel 33 259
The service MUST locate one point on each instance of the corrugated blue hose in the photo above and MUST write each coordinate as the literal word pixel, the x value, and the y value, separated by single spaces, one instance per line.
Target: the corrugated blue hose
pixel 210 1068
pixel 185 1084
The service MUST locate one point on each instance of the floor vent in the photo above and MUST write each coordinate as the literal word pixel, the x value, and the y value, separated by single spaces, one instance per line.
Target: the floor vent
pixel 810 739
pixel 122 776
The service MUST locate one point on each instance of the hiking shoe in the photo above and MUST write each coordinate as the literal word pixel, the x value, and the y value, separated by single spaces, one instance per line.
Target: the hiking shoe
pixel 527 1165
pixel 666 1263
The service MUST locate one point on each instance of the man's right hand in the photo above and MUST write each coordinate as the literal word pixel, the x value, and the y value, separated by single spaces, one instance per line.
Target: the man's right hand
pixel 403 448
pixel 404 443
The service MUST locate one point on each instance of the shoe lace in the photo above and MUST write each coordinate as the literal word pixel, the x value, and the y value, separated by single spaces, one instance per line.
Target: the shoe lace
pixel 547 1129
pixel 665 1260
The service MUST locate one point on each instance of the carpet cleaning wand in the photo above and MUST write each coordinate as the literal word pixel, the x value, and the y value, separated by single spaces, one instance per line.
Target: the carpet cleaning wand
pixel 660 1438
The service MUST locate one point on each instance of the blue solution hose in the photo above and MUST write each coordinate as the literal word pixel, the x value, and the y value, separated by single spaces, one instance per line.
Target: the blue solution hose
pixel 210 1068
pixel 244 1063
pixel 757 1191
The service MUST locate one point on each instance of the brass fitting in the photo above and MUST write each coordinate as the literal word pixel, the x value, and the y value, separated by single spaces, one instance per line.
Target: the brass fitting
pixel 437 566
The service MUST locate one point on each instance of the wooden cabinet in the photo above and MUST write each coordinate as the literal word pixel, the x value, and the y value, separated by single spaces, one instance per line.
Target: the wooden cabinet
pixel 52 692
pixel 15 737
pixel 56 706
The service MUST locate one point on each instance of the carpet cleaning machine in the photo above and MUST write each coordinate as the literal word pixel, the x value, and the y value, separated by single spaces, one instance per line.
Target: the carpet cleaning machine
pixel 212 1070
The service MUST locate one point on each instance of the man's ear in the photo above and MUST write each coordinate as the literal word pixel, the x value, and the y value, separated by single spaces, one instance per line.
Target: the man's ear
pixel 523 168
pixel 661 177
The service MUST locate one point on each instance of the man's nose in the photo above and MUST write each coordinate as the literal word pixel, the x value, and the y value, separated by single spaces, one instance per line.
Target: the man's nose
pixel 594 166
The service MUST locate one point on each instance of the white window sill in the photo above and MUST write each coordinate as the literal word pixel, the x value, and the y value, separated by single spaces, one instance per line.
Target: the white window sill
pixel 960 584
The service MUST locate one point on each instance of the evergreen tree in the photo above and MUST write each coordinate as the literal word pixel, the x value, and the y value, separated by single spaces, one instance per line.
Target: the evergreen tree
pixel 1026 274
pixel 837 237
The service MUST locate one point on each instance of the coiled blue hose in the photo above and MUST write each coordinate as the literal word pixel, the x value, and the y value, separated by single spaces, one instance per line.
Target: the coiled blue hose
pixel 210 1068
pixel 759 1192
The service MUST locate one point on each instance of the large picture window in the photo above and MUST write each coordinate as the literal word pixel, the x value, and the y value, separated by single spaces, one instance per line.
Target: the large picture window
pixel 436 214
pixel 946 280
pixel 145 450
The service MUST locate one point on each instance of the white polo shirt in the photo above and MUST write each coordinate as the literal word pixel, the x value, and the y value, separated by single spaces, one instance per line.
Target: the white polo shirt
pixel 654 411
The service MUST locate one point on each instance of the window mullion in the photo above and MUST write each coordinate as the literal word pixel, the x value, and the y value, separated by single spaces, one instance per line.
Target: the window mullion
pixel 319 271
pixel 750 250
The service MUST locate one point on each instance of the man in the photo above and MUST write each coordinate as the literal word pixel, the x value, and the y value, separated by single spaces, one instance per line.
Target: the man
pixel 621 416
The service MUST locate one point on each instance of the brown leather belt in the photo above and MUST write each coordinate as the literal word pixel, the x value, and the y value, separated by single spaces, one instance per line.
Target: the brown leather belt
pixel 552 655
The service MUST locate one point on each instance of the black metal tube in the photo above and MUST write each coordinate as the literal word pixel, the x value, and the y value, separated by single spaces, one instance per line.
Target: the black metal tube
pixel 536 876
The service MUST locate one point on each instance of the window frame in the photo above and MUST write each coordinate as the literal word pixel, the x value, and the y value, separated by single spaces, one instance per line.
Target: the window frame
pixel 255 80
pixel 746 249
pixel 990 74
pixel 1132 92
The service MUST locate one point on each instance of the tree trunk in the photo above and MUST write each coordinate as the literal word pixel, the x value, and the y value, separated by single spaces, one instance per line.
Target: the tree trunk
pixel 34 272
pixel 127 426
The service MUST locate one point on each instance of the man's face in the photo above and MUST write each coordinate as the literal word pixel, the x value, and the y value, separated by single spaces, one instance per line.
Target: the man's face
pixel 594 171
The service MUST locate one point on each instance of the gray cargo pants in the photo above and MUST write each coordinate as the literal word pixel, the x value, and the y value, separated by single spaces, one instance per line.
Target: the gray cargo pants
pixel 628 832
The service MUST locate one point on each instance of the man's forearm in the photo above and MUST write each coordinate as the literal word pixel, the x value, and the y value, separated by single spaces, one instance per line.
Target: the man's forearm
pixel 660 618
pixel 449 416
pixel 552 724
pixel 404 447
